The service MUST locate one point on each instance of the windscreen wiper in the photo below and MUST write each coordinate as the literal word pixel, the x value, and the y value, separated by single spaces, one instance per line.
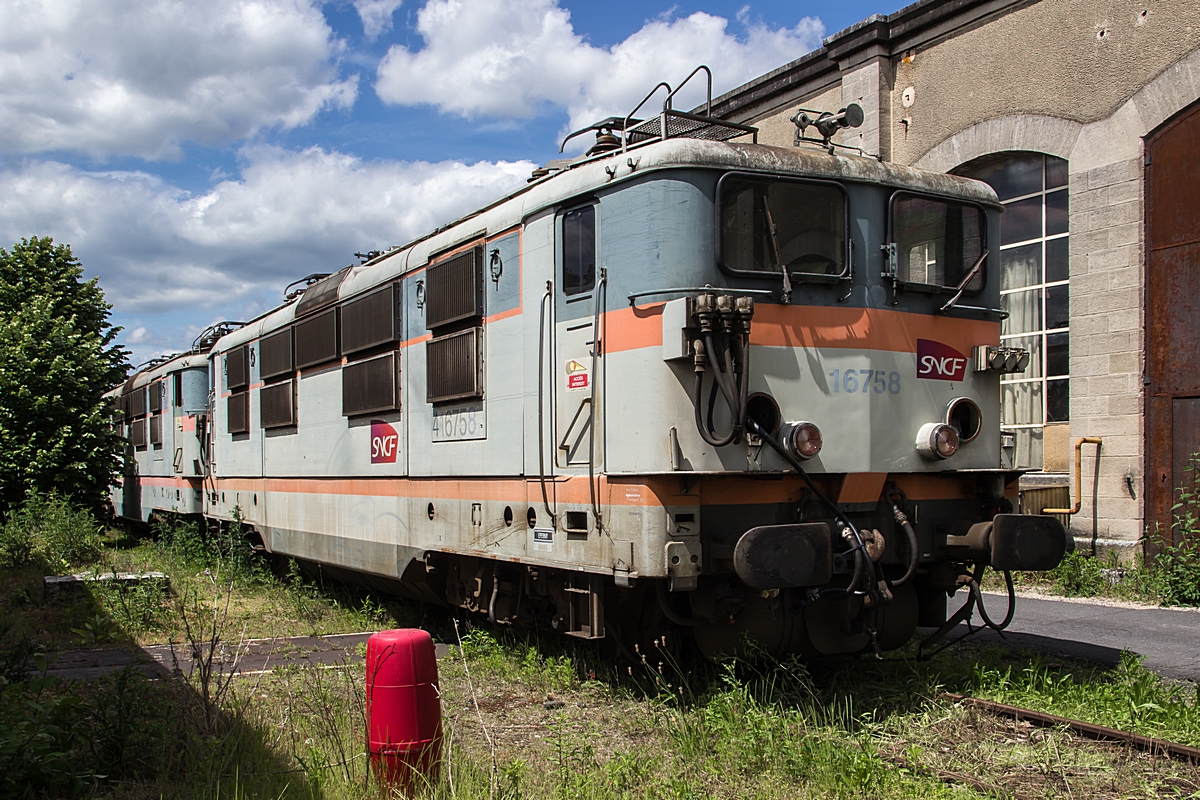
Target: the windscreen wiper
pixel 787 279
pixel 962 286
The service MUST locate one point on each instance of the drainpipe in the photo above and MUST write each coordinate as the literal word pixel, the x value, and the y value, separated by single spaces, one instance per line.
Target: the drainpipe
pixel 1096 440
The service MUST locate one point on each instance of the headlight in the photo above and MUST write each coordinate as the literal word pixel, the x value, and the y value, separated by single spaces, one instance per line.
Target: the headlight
pixel 964 416
pixel 803 439
pixel 937 440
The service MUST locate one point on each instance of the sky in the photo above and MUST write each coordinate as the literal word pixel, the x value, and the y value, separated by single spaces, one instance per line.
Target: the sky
pixel 200 156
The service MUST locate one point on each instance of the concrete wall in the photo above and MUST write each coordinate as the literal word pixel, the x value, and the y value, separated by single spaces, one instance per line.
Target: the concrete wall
pixel 1076 60
pixel 1083 80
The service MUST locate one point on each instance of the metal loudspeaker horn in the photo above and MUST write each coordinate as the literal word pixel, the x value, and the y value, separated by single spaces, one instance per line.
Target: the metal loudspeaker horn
pixel 827 123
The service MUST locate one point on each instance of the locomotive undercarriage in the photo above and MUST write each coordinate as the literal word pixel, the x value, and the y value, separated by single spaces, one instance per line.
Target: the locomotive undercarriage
pixel 726 616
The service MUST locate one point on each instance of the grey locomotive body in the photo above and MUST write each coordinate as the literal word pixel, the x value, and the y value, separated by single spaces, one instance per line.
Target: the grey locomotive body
pixel 603 404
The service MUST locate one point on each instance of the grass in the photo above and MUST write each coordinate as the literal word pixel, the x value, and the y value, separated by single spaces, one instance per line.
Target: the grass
pixel 265 603
pixel 529 716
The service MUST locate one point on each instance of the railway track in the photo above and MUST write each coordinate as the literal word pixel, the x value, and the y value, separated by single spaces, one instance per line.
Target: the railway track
pixel 1148 744
pixel 1089 730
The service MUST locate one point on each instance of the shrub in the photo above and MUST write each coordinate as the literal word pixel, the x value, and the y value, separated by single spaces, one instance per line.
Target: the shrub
pixel 223 549
pixel 49 527
pixel 1079 575
pixel 16 545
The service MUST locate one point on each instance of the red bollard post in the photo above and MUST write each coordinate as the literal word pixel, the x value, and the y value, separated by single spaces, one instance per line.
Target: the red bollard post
pixel 404 714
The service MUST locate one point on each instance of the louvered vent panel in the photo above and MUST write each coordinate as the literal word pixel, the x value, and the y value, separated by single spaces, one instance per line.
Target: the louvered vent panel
pixel 371 386
pixel 454 289
pixel 277 405
pixel 137 433
pixel 237 414
pixel 316 339
pixel 275 354
pixel 237 367
pixel 156 430
pixel 454 366
pixel 371 320
pixel 137 402
pixel 156 397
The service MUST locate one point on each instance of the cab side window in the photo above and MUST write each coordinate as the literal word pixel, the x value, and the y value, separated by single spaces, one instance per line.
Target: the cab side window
pixel 579 250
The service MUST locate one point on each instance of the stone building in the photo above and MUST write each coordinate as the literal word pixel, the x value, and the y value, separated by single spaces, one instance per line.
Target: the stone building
pixel 1084 115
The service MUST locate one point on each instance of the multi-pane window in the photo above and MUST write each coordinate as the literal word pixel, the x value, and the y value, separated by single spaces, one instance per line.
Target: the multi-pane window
pixel 1034 290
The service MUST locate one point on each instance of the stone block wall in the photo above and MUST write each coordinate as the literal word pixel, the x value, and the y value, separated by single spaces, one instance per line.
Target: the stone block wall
pixel 1107 342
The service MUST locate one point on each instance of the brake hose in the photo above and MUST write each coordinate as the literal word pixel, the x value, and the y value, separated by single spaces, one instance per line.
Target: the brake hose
pixel 1012 602
pixel 906 526
pixel 861 546
pixel 733 385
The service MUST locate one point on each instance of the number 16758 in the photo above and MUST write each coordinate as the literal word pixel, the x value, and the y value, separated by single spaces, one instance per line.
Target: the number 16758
pixel 864 381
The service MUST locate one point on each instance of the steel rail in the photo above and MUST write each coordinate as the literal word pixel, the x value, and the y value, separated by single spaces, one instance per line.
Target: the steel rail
pixel 1092 731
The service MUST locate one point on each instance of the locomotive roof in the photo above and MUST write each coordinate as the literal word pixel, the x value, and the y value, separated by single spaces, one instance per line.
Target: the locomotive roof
pixel 589 174
pixel 173 364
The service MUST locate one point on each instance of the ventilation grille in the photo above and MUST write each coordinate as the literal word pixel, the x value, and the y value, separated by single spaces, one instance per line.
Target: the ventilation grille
pixel 372 385
pixel 137 402
pixel 454 366
pixel 137 433
pixel 316 339
pixel 275 354
pixel 156 393
pixel 371 320
pixel 156 430
pixel 277 405
pixel 237 412
pixel 237 367
pixel 454 289
pixel 322 293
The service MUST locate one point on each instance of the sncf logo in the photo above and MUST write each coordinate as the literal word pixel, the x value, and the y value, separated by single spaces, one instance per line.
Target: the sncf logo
pixel 936 361
pixel 384 443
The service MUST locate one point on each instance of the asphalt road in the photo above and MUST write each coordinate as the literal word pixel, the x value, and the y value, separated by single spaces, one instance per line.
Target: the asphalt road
pixel 1168 638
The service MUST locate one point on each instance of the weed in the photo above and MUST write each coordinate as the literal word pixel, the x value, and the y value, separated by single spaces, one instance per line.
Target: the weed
pixel 41 730
pixel 304 597
pixel 48 527
pixel 97 630
pixel 1079 575
pixel 1177 565
pixel 136 607
pixel 16 657
pixel 212 665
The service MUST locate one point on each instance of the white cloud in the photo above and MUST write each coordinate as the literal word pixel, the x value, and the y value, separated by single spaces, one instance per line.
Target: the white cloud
pixel 376 16
pixel 507 57
pixel 114 77
pixel 190 259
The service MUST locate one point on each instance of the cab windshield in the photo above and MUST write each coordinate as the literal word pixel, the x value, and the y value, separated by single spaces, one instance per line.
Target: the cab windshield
pixel 766 223
pixel 937 241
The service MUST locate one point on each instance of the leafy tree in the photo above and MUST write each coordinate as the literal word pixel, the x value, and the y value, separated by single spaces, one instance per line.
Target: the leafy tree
pixel 57 359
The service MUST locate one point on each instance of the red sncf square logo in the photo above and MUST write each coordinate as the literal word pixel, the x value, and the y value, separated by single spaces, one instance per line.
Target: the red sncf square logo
pixel 939 362
pixel 384 443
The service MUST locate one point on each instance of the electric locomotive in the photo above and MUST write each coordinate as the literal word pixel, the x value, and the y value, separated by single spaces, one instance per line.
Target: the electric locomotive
pixel 682 385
